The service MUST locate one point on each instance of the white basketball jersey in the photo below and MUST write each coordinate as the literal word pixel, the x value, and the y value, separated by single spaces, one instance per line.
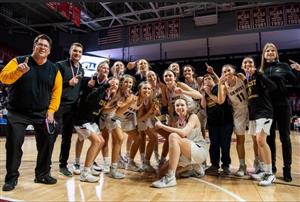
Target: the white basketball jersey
pixel 237 94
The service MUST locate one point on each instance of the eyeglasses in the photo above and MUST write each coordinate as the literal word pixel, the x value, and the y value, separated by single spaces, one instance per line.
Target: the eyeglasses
pixel 40 45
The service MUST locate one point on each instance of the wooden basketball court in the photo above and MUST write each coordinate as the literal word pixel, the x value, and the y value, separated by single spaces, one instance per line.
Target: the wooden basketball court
pixel 136 186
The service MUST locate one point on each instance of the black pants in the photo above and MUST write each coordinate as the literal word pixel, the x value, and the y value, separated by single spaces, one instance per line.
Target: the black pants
pixel 65 118
pixel 220 139
pixel 282 116
pixel 17 124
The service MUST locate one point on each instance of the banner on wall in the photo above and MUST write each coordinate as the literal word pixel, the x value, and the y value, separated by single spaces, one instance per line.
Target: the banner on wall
pixel 292 14
pixel 76 15
pixel 66 9
pixel 267 17
pixel 154 31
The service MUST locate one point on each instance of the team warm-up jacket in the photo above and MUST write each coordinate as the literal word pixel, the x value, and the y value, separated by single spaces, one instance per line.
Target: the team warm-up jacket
pixel 281 74
pixel 38 90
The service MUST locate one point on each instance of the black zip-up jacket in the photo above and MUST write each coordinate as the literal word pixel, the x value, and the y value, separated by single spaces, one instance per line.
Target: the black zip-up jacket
pixel 281 74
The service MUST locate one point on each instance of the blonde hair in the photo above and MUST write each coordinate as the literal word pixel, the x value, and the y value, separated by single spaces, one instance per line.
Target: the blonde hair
pixel 263 60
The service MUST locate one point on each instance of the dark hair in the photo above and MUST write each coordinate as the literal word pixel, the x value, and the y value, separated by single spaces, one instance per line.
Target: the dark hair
pixel 207 75
pixel 192 68
pixel 230 66
pixel 76 44
pixel 43 36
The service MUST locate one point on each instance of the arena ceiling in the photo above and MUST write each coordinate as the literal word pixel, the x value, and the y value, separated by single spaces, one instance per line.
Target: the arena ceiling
pixel 37 17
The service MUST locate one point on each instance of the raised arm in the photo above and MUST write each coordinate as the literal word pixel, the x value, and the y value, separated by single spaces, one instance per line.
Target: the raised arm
pixel 13 71
pixel 187 90
pixel 222 91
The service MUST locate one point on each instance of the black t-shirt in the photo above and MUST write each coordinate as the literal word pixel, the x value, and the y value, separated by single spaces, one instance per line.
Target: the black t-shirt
pixel 259 101
pixel 218 115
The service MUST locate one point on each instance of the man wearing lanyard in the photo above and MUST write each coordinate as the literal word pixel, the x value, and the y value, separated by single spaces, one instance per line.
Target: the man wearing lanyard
pixel 72 73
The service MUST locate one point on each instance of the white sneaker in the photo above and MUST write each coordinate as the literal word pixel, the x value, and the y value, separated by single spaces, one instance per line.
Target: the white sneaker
pixel 196 171
pixel 76 169
pixel 148 168
pixel 133 167
pixel 95 172
pixel 258 176
pixel 96 167
pixel 115 174
pixel 242 171
pixel 267 180
pixel 165 181
pixel 86 176
pixel 122 163
pixel 106 168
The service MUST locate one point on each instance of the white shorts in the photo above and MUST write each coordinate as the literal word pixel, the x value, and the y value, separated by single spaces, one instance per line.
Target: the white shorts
pixel 86 130
pixel 199 153
pixel 144 125
pixel 240 120
pixel 126 124
pixel 256 126
pixel 109 122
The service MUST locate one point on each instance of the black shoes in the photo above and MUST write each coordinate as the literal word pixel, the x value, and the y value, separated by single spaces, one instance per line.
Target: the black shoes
pixel 287 174
pixel 8 186
pixel 46 180
pixel 64 171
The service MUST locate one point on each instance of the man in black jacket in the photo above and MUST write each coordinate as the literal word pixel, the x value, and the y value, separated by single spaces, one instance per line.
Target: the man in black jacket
pixel 72 73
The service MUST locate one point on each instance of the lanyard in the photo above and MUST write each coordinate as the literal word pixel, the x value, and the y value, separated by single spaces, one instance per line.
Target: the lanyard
pixel 71 65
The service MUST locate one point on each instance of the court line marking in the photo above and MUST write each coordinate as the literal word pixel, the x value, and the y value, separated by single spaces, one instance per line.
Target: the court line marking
pixel 237 197
pixel 8 199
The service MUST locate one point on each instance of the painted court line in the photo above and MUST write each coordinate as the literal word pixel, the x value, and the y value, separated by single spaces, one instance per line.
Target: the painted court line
pixel 238 198
pixel 8 199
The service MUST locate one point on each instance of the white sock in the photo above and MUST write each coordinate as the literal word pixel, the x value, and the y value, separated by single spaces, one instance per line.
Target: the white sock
pixel 242 162
pixel 106 160
pixel 268 168
pixel 114 165
pixel 86 169
pixel 171 173
pixel 77 161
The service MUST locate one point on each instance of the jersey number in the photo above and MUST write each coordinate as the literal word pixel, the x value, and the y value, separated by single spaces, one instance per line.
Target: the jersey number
pixel 241 97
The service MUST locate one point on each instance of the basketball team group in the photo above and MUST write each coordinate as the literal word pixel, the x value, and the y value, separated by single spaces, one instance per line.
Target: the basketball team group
pixel 194 117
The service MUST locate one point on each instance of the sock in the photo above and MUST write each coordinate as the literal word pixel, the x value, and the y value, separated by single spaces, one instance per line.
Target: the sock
pixel 242 162
pixel 268 168
pixel 106 160
pixel 171 173
pixel 114 165
pixel 142 157
pixel 86 169
pixel 77 161
pixel 261 165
